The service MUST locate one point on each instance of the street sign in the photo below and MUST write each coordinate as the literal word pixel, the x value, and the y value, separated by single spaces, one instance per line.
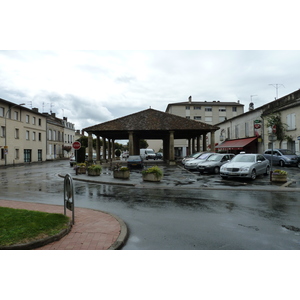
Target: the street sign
pixel 76 145
pixel 272 138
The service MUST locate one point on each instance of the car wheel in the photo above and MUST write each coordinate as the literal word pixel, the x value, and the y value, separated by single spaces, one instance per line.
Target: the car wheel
pixel 216 170
pixel 281 163
pixel 253 174
pixel 267 171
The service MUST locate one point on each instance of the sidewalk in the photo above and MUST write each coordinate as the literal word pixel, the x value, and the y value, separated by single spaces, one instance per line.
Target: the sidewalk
pixel 93 230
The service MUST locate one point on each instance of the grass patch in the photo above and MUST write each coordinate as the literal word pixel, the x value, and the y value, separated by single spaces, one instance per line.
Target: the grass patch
pixel 18 226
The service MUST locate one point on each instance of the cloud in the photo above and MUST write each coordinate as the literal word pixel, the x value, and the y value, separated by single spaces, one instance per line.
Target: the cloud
pixel 90 87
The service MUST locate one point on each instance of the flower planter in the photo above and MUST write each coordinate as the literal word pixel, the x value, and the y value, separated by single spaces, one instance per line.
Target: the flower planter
pixel 81 170
pixel 152 177
pixel 121 174
pixel 279 177
pixel 94 172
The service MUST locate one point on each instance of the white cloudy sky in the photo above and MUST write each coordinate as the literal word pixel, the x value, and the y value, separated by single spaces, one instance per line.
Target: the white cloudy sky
pixel 230 58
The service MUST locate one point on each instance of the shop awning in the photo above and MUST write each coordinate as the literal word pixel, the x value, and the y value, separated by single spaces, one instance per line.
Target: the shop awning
pixel 235 144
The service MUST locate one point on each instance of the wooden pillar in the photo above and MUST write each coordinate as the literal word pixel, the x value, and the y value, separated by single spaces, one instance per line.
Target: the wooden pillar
pixel 131 143
pixel 113 148
pixel 198 143
pixel 204 142
pixel 90 146
pixel 166 149
pixel 171 148
pixel 109 148
pixel 190 147
pixel 98 148
pixel 212 141
pixel 104 148
pixel 193 145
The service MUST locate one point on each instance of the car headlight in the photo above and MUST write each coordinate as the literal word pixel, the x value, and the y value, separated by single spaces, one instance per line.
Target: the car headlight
pixel 244 169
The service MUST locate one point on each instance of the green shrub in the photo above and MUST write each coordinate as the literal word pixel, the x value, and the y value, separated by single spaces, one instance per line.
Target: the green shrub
pixel 153 170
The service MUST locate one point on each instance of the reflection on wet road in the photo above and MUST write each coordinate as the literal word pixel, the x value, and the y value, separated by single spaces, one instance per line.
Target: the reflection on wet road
pixel 171 218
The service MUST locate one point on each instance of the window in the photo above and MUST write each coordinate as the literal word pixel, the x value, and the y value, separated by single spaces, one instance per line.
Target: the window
pixel 27 118
pixel 187 107
pixel 50 135
pixel 27 135
pixel 208 108
pixel 222 108
pixel 197 107
pixel 246 129
pixel 54 135
pixel 236 130
pixel 17 153
pixel 187 117
pixel 27 155
pixel 222 119
pixel 2 131
pixel 234 108
pixel 198 118
pixel 40 137
pixel 16 115
pixel 33 135
pixel 33 120
pixel 17 132
pixel 1 111
pixel 291 121
pixel 40 156
pixel 208 119
pixel 40 122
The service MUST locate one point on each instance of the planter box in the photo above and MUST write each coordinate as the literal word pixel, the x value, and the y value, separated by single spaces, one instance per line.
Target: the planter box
pixel 94 172
pixel 279 178
pixel 151 177
pixel 121 174
pixel 81 170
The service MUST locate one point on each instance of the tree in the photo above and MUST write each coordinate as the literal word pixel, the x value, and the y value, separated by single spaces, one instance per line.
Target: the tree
pixel 143 144
pixel 274 119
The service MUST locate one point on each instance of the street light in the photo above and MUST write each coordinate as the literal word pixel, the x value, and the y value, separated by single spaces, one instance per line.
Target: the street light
pixel 5 147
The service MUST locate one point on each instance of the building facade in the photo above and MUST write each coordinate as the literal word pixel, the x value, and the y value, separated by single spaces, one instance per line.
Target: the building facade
pixel 209 112
pixel 249 131
pixel 22 134
pixel 29 136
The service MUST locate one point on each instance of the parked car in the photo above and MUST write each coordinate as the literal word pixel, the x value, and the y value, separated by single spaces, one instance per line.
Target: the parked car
pixel 298 155
pixel 159 155
pixel 214 162
pixel 125 154
pixel 190 157
pixel 282 157
pixel 72 161
pixel 135 161
pixel 246 166
pixel 193 163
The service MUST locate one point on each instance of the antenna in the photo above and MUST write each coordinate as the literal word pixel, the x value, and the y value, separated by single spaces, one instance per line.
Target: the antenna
pixel 276 86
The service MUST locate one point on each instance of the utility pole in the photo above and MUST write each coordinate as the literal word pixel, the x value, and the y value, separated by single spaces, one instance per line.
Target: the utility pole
pixel 276 86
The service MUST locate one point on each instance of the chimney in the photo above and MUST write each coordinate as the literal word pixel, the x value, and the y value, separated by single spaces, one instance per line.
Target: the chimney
pixel 190 99
pixel 35 109
pixel 251 106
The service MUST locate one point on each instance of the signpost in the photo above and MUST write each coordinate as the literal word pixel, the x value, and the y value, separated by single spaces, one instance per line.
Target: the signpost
pixel 272 139
pixel 69 195
pixel 76 145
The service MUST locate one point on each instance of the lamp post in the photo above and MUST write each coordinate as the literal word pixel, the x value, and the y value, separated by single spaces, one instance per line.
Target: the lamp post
pixel 5 147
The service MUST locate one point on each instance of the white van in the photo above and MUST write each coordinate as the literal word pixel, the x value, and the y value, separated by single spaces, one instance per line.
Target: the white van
pixel 147 154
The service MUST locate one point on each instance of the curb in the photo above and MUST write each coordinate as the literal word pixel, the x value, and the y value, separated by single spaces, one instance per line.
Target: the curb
pixel 101 182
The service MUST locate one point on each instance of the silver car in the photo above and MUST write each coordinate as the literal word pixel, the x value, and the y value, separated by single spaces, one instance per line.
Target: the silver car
pixel 193 164
pixel 246 166
pixel 190 157
pixel 214 162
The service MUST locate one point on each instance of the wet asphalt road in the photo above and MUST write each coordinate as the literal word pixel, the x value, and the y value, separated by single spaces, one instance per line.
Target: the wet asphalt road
pixel 174 216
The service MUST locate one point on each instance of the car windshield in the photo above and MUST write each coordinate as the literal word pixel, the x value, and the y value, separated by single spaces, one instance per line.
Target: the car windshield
pixel 287 152
pixel 134 158
pixel 244 158
pixel 216 157
pixel 204 156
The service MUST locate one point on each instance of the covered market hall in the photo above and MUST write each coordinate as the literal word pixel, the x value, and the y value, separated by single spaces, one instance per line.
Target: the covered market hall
pixel 149 124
